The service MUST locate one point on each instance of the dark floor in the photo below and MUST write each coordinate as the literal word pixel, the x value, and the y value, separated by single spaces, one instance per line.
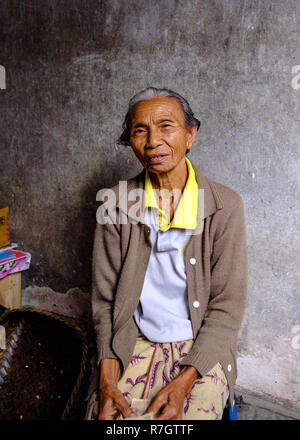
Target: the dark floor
pixel 256 411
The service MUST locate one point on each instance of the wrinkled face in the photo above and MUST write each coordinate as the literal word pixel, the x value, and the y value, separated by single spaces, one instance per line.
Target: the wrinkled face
pixel 158 135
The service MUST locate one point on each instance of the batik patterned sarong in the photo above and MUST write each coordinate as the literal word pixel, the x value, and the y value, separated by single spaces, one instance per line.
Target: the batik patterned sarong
pixel 154 365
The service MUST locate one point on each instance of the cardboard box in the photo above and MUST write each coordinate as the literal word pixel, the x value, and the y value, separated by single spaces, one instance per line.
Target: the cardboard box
pixel 11 292
pixel 4 227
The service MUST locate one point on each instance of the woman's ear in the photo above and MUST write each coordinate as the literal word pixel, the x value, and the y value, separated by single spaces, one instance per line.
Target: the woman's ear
pixel 191 137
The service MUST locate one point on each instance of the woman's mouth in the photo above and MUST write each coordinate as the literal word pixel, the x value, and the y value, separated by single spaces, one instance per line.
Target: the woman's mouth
pixel 157 158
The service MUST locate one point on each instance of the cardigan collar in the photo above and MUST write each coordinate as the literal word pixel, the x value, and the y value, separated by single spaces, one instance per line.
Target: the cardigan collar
pixel 133 208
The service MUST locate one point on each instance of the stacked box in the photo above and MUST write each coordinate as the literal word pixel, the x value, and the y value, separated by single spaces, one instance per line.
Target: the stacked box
pixel 4 227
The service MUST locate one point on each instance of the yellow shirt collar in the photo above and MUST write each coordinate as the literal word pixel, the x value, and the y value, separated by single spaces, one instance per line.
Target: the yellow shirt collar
pixel 185 215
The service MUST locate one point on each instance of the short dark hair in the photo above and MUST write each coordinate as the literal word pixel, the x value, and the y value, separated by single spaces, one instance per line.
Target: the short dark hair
pixel 150 92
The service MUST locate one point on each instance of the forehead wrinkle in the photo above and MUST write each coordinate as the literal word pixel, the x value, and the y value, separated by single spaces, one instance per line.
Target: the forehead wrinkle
pixel 156 115
pixel 155 122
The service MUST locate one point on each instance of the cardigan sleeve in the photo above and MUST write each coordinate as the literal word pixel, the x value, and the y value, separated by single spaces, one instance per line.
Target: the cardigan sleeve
pixel 229 277
pixel 105 270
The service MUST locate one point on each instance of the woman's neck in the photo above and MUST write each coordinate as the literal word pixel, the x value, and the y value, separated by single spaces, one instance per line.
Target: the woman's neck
pixel 171 180
pixel 168 188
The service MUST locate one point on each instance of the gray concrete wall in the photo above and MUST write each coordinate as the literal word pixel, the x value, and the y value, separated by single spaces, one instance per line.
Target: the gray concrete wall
pixel 71 67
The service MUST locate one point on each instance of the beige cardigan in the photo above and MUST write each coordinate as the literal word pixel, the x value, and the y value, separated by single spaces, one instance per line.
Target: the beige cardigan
pixel 217 277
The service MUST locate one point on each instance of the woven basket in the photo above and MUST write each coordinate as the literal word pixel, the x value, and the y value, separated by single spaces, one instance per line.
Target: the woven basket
pixel 44 367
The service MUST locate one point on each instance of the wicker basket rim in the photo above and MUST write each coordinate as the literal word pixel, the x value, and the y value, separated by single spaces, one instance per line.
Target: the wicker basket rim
pixel 85 350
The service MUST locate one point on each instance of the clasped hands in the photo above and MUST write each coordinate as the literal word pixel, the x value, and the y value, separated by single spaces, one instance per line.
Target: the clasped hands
pixel 167 404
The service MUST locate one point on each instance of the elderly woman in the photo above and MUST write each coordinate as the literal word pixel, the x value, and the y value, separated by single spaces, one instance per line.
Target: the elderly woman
pixel 169 277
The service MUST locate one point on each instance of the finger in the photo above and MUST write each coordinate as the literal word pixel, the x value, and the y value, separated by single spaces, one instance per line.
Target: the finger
pixel 104 416
pixel 107 414
pixel 124 407
pixel 157 404
pixel 108 410
pixel 169 413
pixel 114 398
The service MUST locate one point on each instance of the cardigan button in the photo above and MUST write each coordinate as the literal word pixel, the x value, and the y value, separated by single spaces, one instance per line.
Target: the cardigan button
pixel 196 304
pixel 193 260
pixel 229 368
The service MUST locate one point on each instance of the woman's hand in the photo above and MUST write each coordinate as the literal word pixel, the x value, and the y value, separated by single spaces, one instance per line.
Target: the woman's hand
pixel 169 401
pixel 112 400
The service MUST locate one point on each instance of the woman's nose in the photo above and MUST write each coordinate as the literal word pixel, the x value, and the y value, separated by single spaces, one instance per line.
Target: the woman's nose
pixel 153 139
